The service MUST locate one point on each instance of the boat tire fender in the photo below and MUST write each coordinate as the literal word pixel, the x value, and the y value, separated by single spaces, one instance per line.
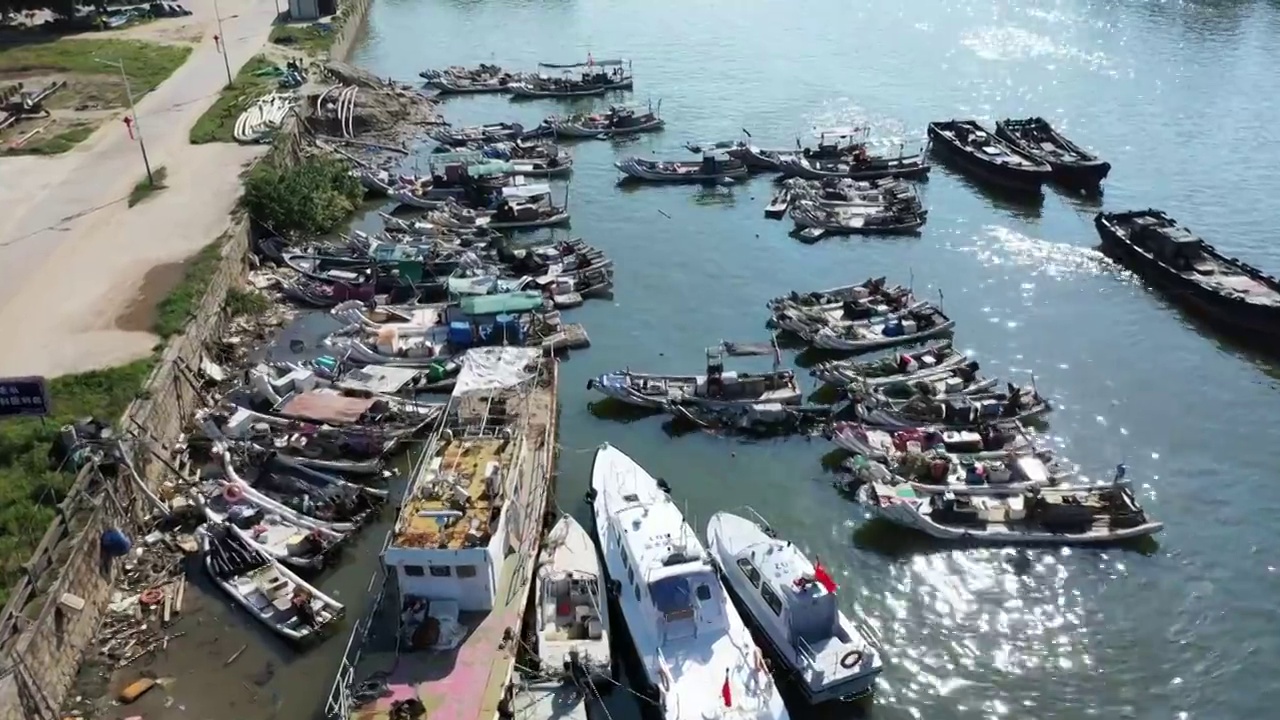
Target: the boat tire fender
pixel 233 492
pixel 590 496
pixel 851 659
pixel 662 485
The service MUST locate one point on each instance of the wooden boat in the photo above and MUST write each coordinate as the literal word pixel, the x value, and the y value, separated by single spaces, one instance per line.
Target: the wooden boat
pixel 269 591
pixel 938 385
pixel 616 122
pixel 915 324
pixel 279 536
pixel 491 133
pixel 757 420
pixel 987 158
pixel 858 167
pixel 572 618
pixel 867 293
pixel 450 84
pixel 921 363
pixel 555 88
pixel 806 322
pixel 1072 165
pixel 791 603
pixel 672 601
pixel 1038 516
pixel 1020 404
pixel 777 207
pixel 716 387
pixel 993 441
pixel 532 160
pixel 937 471
pixel 614 74
pixel 710 169
pixel 1226 292
pixel 855 220
pixel 842 193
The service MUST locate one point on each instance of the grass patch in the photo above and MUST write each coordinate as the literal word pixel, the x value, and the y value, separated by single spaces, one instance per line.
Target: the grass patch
pixel 56 144
pixel 246 301
pixel 180 305
pixel 218 123
pixel 311 39
pixel 147 64
pixel 30 485
pixel 146 187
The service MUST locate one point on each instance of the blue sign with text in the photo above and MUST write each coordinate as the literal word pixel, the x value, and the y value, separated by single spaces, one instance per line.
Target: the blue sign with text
pixel 24 396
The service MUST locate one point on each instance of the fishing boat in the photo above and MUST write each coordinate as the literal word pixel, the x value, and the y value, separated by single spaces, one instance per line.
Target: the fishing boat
pixel 791 603
pixel 1020 404
pixel 994 441
pixel 777 207
pixel 614 74
pixel 710 169
pixel 815 221
pixel 270 592
pixel 491 133
pixel 869 292
pixel 840 193
pixel 468 81
pixel 687 633
pixel 573 620
pixel 555 88
pixel 855 167
pixel 920 322
pixel 939 385
pixel 985 157
pixel 716 387
pixel 617 122
pixel 921 363
pixel 1224 291
pixel 279 536
pixel 1036 516
pixel 1072 165
pixel 532 159
pixel 757 420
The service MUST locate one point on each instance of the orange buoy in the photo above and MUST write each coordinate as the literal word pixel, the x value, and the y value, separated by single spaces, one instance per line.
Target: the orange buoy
pixel 233 492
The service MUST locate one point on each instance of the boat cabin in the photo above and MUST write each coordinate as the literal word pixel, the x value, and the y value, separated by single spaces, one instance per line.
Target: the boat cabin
pixel 1172 245
pixel 792 606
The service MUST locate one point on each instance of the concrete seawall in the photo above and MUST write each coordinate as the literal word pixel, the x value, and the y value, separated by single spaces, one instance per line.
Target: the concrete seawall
pixel 44 642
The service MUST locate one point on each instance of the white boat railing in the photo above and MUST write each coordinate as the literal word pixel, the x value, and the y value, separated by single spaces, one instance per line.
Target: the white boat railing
pixel 339 704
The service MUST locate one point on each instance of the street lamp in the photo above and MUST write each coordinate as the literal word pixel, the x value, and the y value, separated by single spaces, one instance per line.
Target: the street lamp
pixel 222 37
pixel 133 111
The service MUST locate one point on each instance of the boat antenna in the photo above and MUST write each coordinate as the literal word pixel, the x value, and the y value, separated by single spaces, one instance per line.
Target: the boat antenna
pixel 911 279
pixel 941 297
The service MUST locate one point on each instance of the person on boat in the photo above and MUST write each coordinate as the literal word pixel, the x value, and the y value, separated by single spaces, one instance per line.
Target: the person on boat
pixel 504 212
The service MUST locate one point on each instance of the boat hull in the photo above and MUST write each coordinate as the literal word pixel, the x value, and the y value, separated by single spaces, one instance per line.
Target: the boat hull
pixel 1250 322
pixel 641 172
pixel 827 340
pixel 1086 174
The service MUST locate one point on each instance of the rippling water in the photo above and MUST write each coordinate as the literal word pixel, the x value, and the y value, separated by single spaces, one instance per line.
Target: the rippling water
pixel 1180 97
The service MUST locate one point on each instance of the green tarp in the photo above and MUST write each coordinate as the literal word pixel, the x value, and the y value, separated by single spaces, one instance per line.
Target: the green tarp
pixel 516 302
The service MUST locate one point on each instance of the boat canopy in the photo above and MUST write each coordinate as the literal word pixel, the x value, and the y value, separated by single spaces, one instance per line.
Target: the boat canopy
pixel 584 63
pixel 525 191
pixel 506 303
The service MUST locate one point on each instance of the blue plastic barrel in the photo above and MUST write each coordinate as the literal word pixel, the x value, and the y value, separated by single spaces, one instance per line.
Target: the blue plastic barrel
pixel 115 543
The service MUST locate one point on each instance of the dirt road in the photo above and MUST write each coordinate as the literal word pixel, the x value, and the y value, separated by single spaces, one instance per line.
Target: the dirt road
pixel 73 255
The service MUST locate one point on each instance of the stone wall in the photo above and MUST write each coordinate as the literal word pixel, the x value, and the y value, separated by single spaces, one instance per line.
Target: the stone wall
pixel 352 26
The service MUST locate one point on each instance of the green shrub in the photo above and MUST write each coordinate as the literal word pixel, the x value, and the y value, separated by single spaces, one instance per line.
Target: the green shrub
pixel 310 198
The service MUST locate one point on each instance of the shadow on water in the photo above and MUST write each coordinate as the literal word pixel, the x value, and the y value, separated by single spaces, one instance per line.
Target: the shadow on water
pixel 618 411
pixel 1021 205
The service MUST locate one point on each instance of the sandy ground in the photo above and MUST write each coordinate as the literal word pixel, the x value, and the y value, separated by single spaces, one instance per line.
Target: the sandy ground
pixel 72 254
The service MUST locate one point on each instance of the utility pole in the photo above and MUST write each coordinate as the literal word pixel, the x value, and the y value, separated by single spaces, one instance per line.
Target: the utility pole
pixel 133 111
pixel 222 38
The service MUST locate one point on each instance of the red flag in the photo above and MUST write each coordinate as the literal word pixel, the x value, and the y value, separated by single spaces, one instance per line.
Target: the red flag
pixel 128 125
pixel 824 579
pixel 726 693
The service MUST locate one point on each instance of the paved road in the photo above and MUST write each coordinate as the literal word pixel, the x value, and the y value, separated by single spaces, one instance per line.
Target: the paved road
pixel 73 255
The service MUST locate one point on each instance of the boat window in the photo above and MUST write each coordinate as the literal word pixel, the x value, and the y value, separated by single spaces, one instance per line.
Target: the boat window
pixel 631 576
pixel 440 571
pixel 465 571
pixel 413 570
pixel 753 575
pixel 672 595
pixel 771 599
pixel 637 593
pixel 704 592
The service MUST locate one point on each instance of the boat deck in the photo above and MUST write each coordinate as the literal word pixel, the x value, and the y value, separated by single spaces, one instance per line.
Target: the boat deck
pixel 464 462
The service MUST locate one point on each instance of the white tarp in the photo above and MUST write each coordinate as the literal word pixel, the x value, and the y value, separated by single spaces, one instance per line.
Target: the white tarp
pixel 491 368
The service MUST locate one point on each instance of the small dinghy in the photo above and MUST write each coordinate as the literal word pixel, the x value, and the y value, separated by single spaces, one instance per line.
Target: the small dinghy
pixel 865 292
pixel 270 593
pixel 777 207
pixel 1038 516
pixel 923 363
pixel 918 323
pixel 491 133
pixel 617 122
pixel 938 471
pixel 1020 404
pixel 987 158
pixel 279 536
pixel 791 603
pixel 716 388
pixel 986 441
pixel 710 169
pixel 573 620
pixel 854 168
pixel 939 385
pixel 854 219
pixel 555 88
pixel 1072 165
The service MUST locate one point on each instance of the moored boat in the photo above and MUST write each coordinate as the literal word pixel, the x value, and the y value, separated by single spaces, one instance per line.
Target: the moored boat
pixel 572 618
pixel 758 420
pixel 791 603
pixel 717 387
pixel 915 324
pixel 710 169
pixel 689 637
pixel 1072 165
pixel 1020 404
pixel 856 167
pixel 815 221
pixel 617 122
pixel 1224 291
pixel 924 362
pixel 274 596
pixel 986 157
pixel 996 440
pixel 866 292
pixel 1036 516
